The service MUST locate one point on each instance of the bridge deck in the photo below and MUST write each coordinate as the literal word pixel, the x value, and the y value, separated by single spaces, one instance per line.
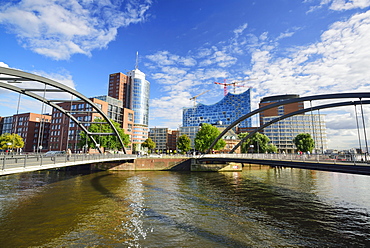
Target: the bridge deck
pixel 352 165
pixel 26 163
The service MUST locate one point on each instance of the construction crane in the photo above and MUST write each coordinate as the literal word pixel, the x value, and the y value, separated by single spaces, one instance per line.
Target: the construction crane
pixel 234 84
pixel 195 97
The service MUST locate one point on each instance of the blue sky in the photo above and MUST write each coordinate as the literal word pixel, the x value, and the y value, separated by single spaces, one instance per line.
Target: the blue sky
pixel 289 46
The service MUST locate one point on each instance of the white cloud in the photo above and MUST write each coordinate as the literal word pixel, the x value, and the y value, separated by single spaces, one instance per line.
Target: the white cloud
pixel 168 109
pixel 9 99
pixel 219 58
pixel 348 4
pixel 240 29
pixel 338 62
pixel 59 29
pixel 165 58
pixel 340 5
pixel 2 64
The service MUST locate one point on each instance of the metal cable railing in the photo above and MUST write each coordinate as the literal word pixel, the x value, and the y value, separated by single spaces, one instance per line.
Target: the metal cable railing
pixel 16 162
pixel 346 158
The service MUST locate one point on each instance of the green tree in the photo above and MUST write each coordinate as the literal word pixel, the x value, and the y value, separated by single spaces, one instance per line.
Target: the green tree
pixel 135 147
pixel 149 143
pixel 205 137
pixel 271 148
pixel 304 142
pixel 184 143
pixel 257 143
pixel 106 141
pixel 11 141
pixel 245 145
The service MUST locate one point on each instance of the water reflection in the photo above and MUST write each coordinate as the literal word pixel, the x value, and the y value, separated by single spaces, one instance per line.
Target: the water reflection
pixel 259 207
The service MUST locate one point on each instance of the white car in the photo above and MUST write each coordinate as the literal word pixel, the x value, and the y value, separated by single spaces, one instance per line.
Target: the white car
pixel 155 155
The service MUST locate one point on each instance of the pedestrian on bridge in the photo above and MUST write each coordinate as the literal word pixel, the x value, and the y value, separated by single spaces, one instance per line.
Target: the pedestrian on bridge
pixel 69 153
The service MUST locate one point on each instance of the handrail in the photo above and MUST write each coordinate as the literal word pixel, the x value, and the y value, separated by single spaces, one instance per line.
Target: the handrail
pixel 14 163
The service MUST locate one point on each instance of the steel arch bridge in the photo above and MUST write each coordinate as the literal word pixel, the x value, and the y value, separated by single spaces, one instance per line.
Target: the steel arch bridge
pixel 359 95
pixel 9 77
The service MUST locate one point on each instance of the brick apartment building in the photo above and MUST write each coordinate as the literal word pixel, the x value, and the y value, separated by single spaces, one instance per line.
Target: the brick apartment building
pixel 33 128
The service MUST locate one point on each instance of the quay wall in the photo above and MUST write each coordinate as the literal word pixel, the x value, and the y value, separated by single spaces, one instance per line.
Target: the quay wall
pixel 146 164
pixel 171 164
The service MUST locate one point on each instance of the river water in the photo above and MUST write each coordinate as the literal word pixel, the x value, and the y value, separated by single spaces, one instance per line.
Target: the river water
pixel 258 207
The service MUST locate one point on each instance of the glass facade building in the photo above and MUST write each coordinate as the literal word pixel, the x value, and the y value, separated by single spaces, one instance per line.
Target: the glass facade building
pixel 282 133
pixel 225 112
pixel 139 97
pixel 7 125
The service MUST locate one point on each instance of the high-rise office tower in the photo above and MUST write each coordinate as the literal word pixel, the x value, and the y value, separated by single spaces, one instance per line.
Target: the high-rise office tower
pixel 133 90
pixel 119 85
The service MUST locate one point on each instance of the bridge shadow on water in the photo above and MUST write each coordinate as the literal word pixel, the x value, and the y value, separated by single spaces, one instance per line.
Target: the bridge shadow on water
pixel 150 213
pixel 298 213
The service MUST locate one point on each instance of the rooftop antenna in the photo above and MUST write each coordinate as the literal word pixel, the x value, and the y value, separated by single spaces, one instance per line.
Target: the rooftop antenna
pixel 137 60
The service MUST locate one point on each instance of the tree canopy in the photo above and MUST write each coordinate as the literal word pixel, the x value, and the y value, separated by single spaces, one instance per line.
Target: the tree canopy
pixel 257 143
pixel 205 136
pixel 106 141
pixel 244 146
pixel 184 143
pixel 304 142
pixel 11 141
pixel 149 143
pixel 271 148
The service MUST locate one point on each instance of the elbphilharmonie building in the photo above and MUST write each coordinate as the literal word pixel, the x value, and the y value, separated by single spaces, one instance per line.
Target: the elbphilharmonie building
pixel 222 113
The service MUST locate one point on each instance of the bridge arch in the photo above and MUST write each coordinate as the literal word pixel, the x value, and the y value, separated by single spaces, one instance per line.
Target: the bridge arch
pixel 15 76
pixel 332 105
pixel 358 95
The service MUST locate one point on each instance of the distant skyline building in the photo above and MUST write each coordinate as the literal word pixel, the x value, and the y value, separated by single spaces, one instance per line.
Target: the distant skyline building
pixel 191 132
pixel 222 113
pixel 282 109
pixel 164 138
pixel 282 133
pixel 160 137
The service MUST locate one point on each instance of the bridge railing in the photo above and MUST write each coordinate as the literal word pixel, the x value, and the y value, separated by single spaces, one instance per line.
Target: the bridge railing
pixel 349 158
pixel 14 161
